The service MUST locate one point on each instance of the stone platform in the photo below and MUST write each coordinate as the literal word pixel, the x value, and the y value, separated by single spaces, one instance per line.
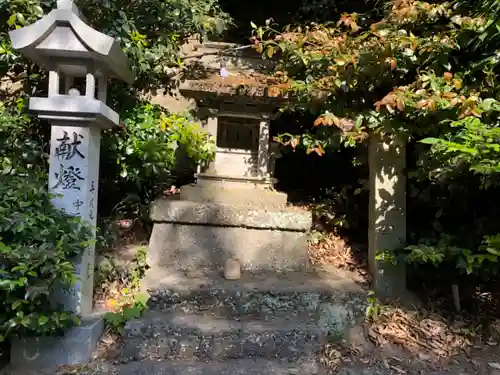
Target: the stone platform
pixel 192 235
pixel 265 316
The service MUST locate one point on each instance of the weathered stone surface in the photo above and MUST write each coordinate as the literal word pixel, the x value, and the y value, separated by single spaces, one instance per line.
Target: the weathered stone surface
pixel 235 367
pixel 193 235
pixel 183 212
pixel 192 247
pixel 209 282
pixel 203 337
pixel 262 316
pixel 387 212
pixel 249 197
pixel 74 348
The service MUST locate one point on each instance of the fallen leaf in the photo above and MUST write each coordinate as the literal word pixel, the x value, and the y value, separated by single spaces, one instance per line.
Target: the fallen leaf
pixel 397 369
pixel 424 357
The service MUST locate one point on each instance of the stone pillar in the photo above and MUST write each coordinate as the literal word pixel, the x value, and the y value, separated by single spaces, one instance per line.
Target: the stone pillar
pixel 212 123
pixel 263 153
pixel 73 180
pixel 387 211
pixel 211 127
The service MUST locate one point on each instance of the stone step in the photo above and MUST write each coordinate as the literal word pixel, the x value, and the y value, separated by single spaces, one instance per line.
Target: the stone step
pixel 307 366
pixel 237 196
pixel 205 317
pixel 205 337
pixel 254 294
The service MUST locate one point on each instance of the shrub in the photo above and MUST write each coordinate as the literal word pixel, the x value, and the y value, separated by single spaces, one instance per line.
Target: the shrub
pixel 150 151
pixel 37 243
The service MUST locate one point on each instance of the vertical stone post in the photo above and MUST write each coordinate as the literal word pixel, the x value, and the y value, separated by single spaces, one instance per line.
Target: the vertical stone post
pixel 212 123
pixel 387 211
pixel 263 153
pixel 73 180
pixel 211 127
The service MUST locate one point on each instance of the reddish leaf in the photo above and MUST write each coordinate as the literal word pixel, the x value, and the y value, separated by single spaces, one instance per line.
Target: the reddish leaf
pixel 400 105
pixel 394 64
pixel 346 125
pixel 319 150
pixel 273 91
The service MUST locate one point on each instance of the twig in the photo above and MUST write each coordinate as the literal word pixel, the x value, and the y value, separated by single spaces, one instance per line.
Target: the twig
pixel 456 297
pixel 220 52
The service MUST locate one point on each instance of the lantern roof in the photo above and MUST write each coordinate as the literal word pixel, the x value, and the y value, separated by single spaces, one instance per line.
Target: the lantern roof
pixel 62 40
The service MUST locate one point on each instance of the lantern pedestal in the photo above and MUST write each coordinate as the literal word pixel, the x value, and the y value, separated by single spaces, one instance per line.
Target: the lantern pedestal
pixel 48 353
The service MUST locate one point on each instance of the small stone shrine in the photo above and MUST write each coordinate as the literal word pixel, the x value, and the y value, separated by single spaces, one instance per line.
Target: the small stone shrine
pixel 232 211
pixel 77 57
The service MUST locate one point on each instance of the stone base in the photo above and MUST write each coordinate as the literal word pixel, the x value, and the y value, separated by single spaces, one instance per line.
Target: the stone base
pixel 191 247
pixel 389 280
pixel 189 236
pixel 242 196
pixel 74 348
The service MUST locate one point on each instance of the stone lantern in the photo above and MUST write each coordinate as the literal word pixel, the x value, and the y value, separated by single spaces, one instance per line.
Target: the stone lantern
pixel 80 60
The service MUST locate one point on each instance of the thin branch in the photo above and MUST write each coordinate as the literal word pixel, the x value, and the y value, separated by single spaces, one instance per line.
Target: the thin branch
pixel 220 52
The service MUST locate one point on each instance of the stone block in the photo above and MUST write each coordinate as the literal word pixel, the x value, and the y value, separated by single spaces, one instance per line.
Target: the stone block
pixel 184 212
pixel 189 236
pixel 238 163
pixel 192 247
pixel 74 348
pixel 249 197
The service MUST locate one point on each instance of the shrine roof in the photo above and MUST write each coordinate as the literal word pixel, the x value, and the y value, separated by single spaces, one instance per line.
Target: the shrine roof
pixel 248 86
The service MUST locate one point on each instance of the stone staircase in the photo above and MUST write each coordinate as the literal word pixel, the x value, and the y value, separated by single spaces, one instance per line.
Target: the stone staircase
pixel 261 324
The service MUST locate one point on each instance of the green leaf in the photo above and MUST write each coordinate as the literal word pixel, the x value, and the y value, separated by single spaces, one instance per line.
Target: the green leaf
pixel 20 18
pixel 493 251
pixel 38 10
pixel 430 141
pixel 12 20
